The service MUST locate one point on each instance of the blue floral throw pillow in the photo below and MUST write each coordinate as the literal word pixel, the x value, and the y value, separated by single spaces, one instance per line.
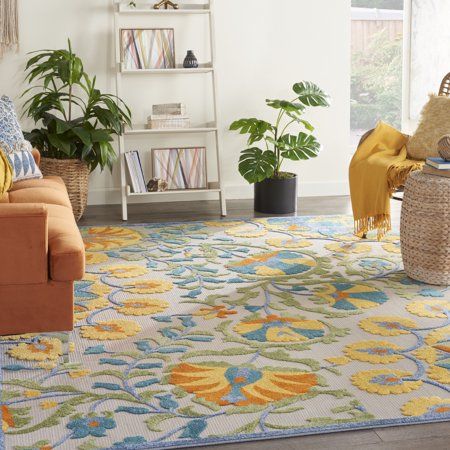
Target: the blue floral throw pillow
pixel 23 163
pixel 11 136
pixel 17 149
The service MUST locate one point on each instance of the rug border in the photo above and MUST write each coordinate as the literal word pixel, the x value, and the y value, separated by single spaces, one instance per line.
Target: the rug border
pixel 298 432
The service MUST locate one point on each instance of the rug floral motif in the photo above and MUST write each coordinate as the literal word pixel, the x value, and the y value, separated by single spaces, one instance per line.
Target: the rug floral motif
pixel 212 332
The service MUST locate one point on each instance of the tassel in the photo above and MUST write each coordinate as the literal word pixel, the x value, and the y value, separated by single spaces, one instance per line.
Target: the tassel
pixel 380 222
pixel 9 26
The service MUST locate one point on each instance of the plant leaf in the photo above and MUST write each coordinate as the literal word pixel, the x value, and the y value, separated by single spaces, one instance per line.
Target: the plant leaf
pixel 310 94
pixel 256 165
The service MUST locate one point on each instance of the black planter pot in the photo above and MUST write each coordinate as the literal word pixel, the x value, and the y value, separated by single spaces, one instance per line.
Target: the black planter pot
pixel 276 196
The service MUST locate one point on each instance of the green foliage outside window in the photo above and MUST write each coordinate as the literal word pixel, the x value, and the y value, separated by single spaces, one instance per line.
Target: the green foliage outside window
pixel 376 89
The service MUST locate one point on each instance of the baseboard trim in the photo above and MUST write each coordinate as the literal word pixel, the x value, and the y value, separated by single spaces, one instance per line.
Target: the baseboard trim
pixel 111 196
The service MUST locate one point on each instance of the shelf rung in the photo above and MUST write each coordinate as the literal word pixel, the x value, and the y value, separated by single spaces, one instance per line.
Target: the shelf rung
pixel 176 192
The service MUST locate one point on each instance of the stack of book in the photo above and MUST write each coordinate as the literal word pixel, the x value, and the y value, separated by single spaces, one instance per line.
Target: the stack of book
pixel 168 116
pixel 135 172
pixel 437 166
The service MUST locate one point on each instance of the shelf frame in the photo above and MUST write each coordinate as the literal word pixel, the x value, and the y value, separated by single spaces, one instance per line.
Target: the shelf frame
pixel 206 9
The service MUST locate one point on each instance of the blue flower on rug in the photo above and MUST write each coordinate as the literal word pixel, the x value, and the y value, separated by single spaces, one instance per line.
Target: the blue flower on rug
pixel 91 426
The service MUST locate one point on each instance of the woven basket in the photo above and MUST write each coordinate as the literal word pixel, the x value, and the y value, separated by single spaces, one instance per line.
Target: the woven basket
pixel 75 175
pixel 425 228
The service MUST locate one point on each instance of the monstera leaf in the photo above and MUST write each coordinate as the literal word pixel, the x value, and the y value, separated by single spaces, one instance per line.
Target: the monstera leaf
pixel 293 110
pixel 304 146
pixel 309 94
pixel 254 127
pixel 256 165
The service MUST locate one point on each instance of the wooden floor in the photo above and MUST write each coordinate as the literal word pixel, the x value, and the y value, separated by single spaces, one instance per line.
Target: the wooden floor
pixel 411 437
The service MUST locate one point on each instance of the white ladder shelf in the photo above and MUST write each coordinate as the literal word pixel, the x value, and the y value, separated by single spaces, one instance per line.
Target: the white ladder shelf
pixel 207 9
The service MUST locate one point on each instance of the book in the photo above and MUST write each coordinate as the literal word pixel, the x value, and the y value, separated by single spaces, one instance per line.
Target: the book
pixel 438 163
pixel 173 109
pixel 437 172
pixel 132 177
pixel 140 172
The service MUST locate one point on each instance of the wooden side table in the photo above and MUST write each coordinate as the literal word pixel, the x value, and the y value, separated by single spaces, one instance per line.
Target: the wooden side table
pixel 425 228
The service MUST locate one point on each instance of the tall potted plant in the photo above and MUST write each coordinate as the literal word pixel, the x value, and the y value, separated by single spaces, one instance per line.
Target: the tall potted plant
pixel 276 191
pixel 78 122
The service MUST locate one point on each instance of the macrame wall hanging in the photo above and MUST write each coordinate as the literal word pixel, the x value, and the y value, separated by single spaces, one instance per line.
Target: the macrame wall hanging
pixel 9 26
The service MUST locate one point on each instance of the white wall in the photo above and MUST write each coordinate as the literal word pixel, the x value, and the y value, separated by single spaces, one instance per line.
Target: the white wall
pixel 263 47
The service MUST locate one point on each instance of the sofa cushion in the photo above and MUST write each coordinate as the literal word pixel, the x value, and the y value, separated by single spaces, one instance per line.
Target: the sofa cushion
pixel 45 195
pixel 49 182
pixel 65 245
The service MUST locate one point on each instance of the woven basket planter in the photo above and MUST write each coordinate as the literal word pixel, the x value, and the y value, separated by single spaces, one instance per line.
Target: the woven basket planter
pixel 75 175
pixel 425 228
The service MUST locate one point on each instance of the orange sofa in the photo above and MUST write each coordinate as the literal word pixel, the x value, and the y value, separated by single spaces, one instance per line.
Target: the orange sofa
pixel 41 255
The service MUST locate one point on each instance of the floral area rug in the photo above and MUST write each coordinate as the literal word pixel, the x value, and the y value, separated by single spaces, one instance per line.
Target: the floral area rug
pixel 211 332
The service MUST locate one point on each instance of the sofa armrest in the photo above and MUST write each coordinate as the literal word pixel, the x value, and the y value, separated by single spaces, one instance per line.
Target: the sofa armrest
pixel 23 243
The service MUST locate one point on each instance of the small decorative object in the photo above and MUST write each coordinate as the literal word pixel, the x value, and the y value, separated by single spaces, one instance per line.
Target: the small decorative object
pixel 173 109
pixel 182 168
pixel 148 48
pixel 166 4
pixel 132 5
pixel 157 185
pixel 190 62
pixel 444 147
pixel 9 26
pixel 276 191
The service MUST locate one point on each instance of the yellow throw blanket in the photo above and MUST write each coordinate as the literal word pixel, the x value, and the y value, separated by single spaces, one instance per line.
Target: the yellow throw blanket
pixel 378 168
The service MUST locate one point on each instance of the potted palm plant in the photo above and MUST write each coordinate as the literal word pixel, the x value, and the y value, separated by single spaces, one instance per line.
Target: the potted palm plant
pixel 275 190
pixel 77 121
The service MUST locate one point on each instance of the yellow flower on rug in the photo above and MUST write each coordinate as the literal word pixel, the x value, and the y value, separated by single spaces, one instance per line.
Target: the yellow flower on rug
pixel 18 337
pixel 375 352
pixel 142 306
pixel 96 258
pixel 42 350
pixel 385 381
pixel 387 325
pixel 392 248
pixel 49 404
pixel 214 312
pixel 288 243
pixel 246 231
pixel 274 328
pixel 31 393
pixel 339 360
pixel 110 330
pixel 149 287
pixel 109 238
pixel 223 224
pixel 432 406
pixel 79 373
pixel 241 385
pixel 348 247
pixel 124 271
pixel 349 296
pixel 434 308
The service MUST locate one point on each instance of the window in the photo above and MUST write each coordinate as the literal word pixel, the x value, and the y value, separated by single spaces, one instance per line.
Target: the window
pixel 376 81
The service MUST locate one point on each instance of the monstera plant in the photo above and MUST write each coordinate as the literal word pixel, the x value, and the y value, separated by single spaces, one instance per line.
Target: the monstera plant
pixel 275 190
pixel 77 122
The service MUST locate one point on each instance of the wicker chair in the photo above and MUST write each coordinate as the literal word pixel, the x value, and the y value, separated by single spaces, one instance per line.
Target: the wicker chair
pixel 443 90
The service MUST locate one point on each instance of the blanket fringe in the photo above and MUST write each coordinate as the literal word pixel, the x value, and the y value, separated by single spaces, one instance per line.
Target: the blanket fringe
pixel 399 173
pixel 380 222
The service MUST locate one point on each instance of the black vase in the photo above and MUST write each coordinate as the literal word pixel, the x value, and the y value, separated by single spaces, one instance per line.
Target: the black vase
pixel 190 62
pixel 274 196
